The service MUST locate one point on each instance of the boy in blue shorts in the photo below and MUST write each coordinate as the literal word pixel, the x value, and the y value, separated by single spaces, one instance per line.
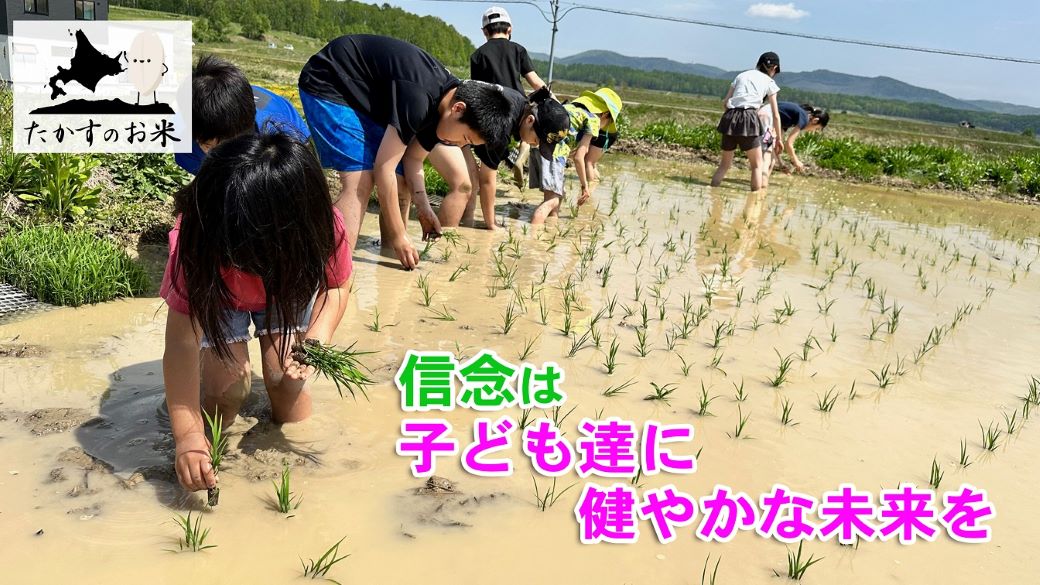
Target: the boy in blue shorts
pixel 224 105
pixel 375 102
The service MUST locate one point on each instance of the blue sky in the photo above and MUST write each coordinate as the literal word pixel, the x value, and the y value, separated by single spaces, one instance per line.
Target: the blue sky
pixel 997 27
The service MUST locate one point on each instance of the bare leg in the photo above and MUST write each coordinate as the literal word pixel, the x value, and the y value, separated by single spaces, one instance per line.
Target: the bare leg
pixel 290 399
pixel 550 207
pixel 225 386
pixel 767 168
pixel 355 190
pixel 488 179
pixel 755 162
pixel 724 164
pixel 450 162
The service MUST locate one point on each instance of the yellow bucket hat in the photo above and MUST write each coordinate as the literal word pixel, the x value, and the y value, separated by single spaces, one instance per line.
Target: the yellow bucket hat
pixel 602 100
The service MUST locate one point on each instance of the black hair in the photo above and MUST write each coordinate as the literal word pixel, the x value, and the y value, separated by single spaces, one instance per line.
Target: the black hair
pixel 488 112
pixel 260 204
pixel 765 68
pixel 497 28
pixel 819 114
pixel 222 105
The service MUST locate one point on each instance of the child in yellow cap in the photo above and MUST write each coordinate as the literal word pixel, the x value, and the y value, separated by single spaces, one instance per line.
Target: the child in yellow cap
pixel 588 113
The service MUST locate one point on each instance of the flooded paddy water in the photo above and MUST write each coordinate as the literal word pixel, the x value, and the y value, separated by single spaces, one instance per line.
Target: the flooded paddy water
pixel 912 316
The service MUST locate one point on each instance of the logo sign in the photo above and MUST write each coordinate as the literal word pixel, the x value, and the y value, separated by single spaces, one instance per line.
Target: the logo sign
pixel 108 86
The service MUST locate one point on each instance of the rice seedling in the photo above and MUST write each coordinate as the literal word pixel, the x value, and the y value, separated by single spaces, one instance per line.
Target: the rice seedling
pixel 884 376
pixel 579 343
pixel 704 401
pixel 739 394
pixel 425 253
pixel 716 359
pixel 963 461
pixel 611 305
pixel 528 347
pixel 936 476
pixel 1033 396
pixel 423 282
pixel 283 493
pixel 618 389
pixel 685 368
pixel 610 361
pixel 509 318
pixel 218 445
pixel 442 314
pixel 644 316
pixel 320 568
pixel 558 418
pixel 834 333
pixel 661 311
pixel 376 326
pixel 738 428
pixel 893 320
pixel 785 413
pixel 568 324
pixel 547 500
pixel 796 567
pixel 661 392
pixel 783 369
pixel 990 436
pixel 1012 423
pixel 194 538
pixel 756 322
pixel 852 392
pixel 641 346
pixel 339 365
pixel 462 269
pixel 526 418
pixel 706 578
pixel 875 326
pixel 826 402
pixel 807 345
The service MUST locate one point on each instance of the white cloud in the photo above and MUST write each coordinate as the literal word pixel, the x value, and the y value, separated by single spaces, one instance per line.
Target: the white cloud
pixel 786 11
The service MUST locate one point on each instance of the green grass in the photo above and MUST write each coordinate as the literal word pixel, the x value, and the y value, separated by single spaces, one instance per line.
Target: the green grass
pixel 796 566
pixel 69 268
pixel 662 393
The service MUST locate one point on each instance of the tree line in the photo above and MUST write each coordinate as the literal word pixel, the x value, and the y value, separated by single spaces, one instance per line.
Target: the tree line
pixel 319 19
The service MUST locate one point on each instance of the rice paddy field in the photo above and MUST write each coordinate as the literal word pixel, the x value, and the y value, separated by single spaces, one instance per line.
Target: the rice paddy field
pixel 814 335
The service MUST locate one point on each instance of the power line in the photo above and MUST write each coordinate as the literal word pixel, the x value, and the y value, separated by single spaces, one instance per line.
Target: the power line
pixel 830 39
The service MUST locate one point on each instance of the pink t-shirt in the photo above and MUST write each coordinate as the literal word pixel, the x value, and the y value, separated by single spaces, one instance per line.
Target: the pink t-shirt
pixel 247 290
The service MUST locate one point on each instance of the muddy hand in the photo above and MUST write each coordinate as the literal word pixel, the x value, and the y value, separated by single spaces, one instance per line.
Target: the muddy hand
pixel 431 226
pixel 194 470
pixel 406 253
pixel 296 370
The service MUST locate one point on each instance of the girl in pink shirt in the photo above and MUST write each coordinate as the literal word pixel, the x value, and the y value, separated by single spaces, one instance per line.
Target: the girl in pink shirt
pixel 256 241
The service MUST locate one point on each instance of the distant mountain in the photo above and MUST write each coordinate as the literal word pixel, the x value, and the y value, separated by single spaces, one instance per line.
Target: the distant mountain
pixel 821 80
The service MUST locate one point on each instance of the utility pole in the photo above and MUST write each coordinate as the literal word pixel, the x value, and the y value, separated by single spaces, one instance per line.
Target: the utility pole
pixel 554 6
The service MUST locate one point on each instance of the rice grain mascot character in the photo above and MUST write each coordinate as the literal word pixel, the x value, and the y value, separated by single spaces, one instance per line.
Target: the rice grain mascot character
pixel 145 64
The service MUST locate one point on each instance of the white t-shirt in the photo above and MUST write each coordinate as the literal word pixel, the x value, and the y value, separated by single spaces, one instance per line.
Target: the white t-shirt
pixel 750 89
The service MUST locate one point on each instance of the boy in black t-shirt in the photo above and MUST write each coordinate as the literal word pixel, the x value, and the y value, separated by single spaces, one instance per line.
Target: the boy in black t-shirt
pixel 374 102
pixel 501 61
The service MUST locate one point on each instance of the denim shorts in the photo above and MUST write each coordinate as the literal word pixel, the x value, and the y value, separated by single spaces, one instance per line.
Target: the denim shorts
pixel 346 139
pixel 238 324
pixel 545 174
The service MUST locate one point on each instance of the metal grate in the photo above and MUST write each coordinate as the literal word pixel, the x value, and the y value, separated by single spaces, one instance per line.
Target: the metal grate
pixel 14 301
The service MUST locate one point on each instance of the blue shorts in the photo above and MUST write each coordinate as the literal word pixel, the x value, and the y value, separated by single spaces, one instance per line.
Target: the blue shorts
pixel 545 174
pixel 346 139
pixel 238 324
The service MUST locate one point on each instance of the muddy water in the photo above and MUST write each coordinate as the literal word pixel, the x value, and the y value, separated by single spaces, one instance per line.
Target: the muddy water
pixel 85 492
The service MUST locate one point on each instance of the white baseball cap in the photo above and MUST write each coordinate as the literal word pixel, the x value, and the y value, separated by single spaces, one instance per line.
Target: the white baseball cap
pixel 495 14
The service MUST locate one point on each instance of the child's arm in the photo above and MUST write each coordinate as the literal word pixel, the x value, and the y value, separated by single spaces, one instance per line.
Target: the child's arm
pixel 415 177
pixel 580 155
pixel 181 378
pixel 725 100
pixel 534 81
pixel 789 146
pixel 391 151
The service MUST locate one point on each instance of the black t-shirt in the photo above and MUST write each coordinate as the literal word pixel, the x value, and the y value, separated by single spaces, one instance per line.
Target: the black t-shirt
pixel 500 61
pixel 392 82
pixel 518 105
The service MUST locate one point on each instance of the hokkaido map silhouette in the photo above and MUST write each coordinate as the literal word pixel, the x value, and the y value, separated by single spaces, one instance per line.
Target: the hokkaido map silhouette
pixel 88 67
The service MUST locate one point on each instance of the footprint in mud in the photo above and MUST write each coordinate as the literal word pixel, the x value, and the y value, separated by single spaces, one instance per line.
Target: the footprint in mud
pixel 48 421
pixel 440 502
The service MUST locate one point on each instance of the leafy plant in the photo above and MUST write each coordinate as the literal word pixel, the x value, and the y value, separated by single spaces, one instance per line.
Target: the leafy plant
pixel 194 538
pixel 62 192
pixel 218 445
pixel 283 493
pixel 661 393
pixel 796 567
